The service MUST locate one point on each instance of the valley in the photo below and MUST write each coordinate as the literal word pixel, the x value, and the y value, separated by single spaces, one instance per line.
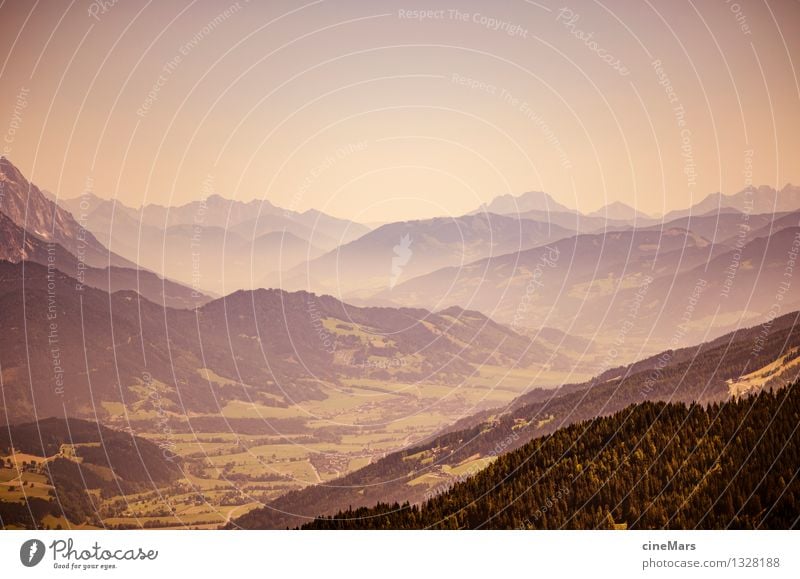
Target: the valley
pixel 133 397
pixel 248 454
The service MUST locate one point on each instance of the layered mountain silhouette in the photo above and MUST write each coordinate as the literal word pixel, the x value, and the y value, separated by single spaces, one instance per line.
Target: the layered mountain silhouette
pixel 396 252
pixel 217 244
pixel 24 204
pixel 542 207
pixel 508 204
pixel 35 229
pixel 585 284
pixel 110 311
pixel 67 351
pixel 619 211
pixel 572 284
pixel 752 200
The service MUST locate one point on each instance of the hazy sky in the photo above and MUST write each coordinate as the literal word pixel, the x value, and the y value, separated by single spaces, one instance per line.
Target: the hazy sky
pixel 368 111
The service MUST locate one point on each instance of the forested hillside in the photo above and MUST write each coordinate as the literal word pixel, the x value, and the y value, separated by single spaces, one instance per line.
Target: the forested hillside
pixel 649 466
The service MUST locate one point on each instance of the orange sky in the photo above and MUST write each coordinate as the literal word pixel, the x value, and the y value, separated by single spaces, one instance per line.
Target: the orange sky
pixel 394 110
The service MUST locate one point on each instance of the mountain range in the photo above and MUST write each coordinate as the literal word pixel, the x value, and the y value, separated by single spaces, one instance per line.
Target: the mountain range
pixel 752 200
pixel 216 245
pixel 269 346
pixel 34 228
pixel 24 204
pixel 306 369
pixel 396 252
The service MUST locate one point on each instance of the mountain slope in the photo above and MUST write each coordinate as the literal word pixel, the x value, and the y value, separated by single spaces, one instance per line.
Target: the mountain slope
pixel 752 200
pixel 704 373
pixel 588 285
pixel 571 284
pixel 80 461
pixel 82 352
pixel 16 246
pixel 23 203
pixel 117 226
pixel 650 466
pixel 720 227
pixel 212 243
pixel 223 261
pixel 400 251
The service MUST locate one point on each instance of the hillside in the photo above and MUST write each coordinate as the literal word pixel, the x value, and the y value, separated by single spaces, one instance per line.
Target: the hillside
pixel 619 211
pixel 756 200
pixel 574 284
pixel 49 466
pixel 754 358
pixel 261 347
pixel 25 204
pixel 396 252
pixel 16 245
pixel 649 466
pixel 587 285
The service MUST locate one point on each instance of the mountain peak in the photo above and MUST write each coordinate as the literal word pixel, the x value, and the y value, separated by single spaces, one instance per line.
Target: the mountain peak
pixel 25 204
pixel 9 171
pixel 530 201
pixel 619 211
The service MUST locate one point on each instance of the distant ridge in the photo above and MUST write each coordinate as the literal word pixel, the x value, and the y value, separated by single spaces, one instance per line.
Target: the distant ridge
pixel 754 200
pixel 531 201
pixel 25 204
pixel 620 211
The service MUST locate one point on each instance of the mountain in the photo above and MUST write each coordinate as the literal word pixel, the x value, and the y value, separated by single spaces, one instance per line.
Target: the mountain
pixel 248 218
pixel 738 287
pixel 83 352
pixel 117 226
pixel 255 217
pixel 726 226
pixel 515 205
pixel 738 364
pixel 649 466
pixel 340 231
pixel 223 261
pixel 400 251
pixel 753 200
pixel 34 228
pixel 587 285
pixel 214 210
pixel 570 284
pixel 16 246
pixel 776 222
pixel 217 244
pixel 23 203
pixel 578 222
pixel 200 255
pixel 619 211
pixel 542 207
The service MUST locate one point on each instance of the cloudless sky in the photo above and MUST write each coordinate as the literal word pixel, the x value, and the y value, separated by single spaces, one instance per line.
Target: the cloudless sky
pixel 366 111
